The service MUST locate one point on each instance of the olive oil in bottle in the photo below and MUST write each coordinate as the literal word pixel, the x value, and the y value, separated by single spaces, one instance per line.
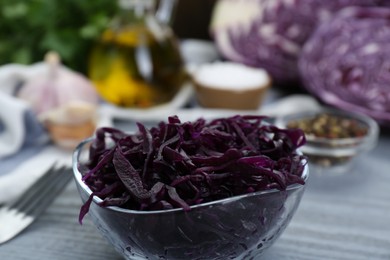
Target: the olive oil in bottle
pixel 137 62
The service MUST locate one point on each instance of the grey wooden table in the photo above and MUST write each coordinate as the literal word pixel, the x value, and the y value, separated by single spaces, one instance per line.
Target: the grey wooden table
pixel 340 217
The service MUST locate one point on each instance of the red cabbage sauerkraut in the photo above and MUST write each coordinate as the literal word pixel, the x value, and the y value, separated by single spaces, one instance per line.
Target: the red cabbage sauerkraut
pixel 179 164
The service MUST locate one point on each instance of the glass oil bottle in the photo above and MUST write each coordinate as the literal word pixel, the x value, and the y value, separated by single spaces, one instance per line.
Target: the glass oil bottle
pixel 137 63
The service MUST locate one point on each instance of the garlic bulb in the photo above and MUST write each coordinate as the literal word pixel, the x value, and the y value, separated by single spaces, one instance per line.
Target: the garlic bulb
pixel 56 87
pixel 65 102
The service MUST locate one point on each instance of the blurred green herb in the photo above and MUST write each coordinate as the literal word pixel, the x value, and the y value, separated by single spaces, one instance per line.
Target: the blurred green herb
pixel 30 28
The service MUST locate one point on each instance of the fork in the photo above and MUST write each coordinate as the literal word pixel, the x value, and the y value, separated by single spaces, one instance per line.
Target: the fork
pixel 32 203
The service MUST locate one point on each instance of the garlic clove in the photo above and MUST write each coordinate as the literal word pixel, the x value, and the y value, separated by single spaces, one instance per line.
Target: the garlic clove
pixel 73 112
pixel 68 136
pixel 69 124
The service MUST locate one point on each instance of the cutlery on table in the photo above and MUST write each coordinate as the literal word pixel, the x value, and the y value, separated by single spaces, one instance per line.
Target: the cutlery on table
pixel 31 204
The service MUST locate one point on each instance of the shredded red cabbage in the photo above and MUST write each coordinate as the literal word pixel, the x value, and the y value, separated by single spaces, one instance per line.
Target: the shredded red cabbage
pixel 177 165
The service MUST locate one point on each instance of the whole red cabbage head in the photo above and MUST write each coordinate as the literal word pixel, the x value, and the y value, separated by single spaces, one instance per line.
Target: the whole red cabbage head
pixel 346 62
pixel 270 33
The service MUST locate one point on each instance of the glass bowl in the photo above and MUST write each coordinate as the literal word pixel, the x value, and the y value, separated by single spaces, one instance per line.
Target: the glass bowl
pixel 334 138
pixel 237 227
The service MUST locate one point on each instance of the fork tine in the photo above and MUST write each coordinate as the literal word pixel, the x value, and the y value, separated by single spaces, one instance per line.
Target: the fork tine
pixel 34 189
pixel 33 202
pixel 51 182
pixel 47 193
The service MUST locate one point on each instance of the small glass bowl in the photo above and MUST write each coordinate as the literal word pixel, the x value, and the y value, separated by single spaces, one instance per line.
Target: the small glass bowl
pixel 240 227
pixel 333 154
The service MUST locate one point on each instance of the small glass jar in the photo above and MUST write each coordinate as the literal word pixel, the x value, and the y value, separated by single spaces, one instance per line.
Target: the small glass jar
pixel 137 62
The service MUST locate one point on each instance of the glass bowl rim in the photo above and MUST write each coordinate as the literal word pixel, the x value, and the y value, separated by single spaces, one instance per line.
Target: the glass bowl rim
pixel 97 200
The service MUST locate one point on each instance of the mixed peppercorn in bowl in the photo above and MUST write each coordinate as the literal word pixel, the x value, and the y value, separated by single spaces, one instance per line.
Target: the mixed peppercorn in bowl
pixel 334 138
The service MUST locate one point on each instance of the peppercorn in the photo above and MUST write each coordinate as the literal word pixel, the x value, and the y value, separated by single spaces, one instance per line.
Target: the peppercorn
pixel 330 126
